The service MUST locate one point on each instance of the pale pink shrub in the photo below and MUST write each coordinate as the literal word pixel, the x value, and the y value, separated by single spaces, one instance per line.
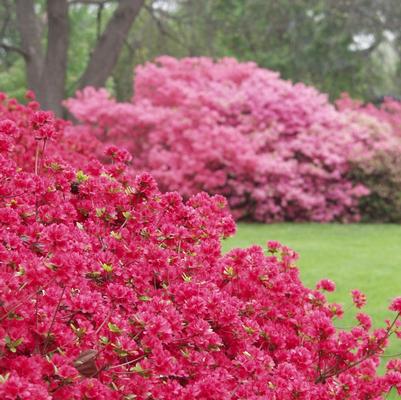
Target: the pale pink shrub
pixel 379 170
pixel 388 111
pixel 276 150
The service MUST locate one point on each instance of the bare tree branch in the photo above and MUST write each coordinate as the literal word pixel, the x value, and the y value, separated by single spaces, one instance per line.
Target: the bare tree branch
pixel 162 29
pixel 109 45
pixel 89 2
pixel 15 49
pixel 163 13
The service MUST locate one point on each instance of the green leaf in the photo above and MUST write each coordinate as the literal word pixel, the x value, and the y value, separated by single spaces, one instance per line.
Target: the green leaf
pixel 81 177
pixel 121 352
pixel 55 167
pixel 127 215
pixel 100 212
pixel 140 371
pixel 12 344
pixel 4 378
pixel 104 340
pixel 80 332
pixel 107 267
pixel 229 272
pixel 113 328
pixel 13 315
pixel 116 235
pixel 248 329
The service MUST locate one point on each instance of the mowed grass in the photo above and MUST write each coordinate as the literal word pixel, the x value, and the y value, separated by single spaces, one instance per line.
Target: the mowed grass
pixel 362 256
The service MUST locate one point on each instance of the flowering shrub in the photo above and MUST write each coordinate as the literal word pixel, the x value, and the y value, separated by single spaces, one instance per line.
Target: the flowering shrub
pixel 389 111
pixel 275 150
pixel 111 290
pixel 381 174
pixel 32 129
pixel 378 170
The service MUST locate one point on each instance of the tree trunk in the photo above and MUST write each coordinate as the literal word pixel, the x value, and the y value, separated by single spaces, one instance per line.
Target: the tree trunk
pixel 55 65
pixel 30 42
pixel 108 48
pixel 46 75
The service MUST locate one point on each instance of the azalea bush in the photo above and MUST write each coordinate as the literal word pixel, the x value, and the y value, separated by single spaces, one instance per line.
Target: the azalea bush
pixel 389 110
pixel 381 174
pixel 276 150
pixel 378 170
pixel 110 289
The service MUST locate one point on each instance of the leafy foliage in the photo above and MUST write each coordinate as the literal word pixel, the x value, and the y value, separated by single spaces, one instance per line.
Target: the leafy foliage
pixel 334 45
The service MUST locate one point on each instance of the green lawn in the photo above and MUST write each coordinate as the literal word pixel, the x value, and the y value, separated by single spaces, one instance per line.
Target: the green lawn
pixel 363 256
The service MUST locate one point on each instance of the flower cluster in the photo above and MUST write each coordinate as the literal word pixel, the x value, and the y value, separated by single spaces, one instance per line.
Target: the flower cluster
pixel 389 111
pixel 110 289
pixel 275 150
pixel 35 131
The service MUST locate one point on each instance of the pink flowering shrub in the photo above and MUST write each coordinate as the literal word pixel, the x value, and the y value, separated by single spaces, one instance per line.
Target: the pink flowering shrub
pixel 32 130
pixel 379 170
pixel 389 111
pixel 110 289
pixel 275 150
pixel 381 174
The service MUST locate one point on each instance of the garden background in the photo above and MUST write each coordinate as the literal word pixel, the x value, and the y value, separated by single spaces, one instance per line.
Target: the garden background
pixel 289 109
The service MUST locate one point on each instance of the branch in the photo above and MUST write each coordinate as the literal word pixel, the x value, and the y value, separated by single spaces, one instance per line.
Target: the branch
pixel 161 27
pixel 336 372
pixel 110 43
pixel 163 13
pixel 15 49
pixel 91 2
